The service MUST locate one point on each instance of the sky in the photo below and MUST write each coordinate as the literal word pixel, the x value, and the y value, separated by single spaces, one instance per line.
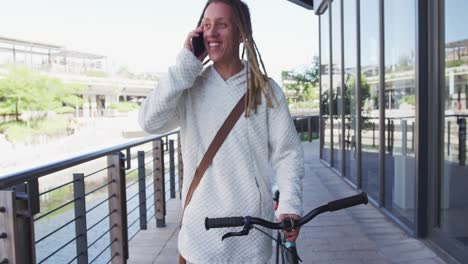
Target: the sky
pixel 147 35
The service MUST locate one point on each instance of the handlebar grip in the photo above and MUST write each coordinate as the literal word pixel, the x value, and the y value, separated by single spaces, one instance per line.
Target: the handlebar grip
pixel 223 222
pixel 348 202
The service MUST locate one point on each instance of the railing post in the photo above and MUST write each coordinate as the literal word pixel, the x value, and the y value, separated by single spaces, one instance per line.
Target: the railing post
pixel 448 139
pixel 390 136
pixel 462 141
pixel 404 136
pixel 180 165
pixel 117 204
pixel 373 134
pixel 412 137
pixel 159 188
pixel 142 189
pixel 309 128
pixel 172 168
pixel 9 247
pixel 26 207
pixel 80 215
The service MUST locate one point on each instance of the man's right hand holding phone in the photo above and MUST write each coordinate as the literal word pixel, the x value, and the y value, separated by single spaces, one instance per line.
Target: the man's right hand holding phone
pixel 197 33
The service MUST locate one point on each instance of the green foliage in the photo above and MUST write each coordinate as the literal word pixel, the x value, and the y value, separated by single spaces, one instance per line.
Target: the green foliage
pixel 72 100
pixel 25 90
pixel 303 84
pixel 304 105
pixel 455 63
pixel 409 99
pixel 64 110
pixel 124 106
pixel 22 131
pixel 348 95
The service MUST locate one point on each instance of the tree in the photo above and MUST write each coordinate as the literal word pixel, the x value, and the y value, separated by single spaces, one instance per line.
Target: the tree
pixel 23 89
pixel 349 93
pixel 303 84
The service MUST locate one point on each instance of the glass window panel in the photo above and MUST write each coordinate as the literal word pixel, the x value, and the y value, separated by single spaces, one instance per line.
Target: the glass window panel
pixel 400 101
pixel 454 181
pixel 350 55
pixel 369 96
pixel 336 84
pixel 325 82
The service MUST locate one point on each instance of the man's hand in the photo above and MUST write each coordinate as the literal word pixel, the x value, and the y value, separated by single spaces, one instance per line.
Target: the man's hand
pixel 290 236
pixel 188 41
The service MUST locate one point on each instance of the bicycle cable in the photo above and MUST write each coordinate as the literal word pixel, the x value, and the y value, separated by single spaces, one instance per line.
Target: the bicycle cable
pixel 280 243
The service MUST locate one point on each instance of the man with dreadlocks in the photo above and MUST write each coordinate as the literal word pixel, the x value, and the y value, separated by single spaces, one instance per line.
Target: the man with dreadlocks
pixel 238 181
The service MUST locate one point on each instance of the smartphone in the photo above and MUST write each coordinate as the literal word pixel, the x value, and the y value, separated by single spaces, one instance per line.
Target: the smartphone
pixel 198 45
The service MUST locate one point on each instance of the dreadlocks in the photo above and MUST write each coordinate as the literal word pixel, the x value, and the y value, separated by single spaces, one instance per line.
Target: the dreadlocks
pixel 258 82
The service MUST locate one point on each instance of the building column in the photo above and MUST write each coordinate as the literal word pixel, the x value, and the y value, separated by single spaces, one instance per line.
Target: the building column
pixel 86 106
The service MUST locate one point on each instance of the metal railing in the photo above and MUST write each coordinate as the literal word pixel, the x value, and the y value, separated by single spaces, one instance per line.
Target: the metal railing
pixel 400 135
pixel 130 193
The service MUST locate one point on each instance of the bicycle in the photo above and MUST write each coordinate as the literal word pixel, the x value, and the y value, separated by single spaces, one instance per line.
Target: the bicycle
pixel 289 252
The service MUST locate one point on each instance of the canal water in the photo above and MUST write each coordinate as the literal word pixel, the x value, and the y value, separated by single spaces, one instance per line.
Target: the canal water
pixel 97 238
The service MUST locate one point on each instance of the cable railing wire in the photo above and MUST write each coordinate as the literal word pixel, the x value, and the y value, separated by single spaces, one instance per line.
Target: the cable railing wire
pixel 110 260
pixel 151 217
pixel 102 219
pixel 128 172
pixel 100 203
pixel 133 210
pixel 150 184
pixel 150 161
pixel 138 231
pixel 134 222
pixel 101 236
pixel 98 171
pixel 75 258
pixel 133 183
pixel 60 248
pixel 56 209
pixel 150 207
pixel 56 230
pixel 152 194
pixel 115 240
pixel 135 195
pixel 100 187
pixel 56 188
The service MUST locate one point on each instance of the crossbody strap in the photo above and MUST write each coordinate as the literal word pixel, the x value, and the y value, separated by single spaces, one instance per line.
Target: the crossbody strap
pixel 214 147
pixel 211 152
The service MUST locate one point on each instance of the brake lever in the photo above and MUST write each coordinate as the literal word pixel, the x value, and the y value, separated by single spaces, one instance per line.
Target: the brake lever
pixel 243 232
pixel 231 234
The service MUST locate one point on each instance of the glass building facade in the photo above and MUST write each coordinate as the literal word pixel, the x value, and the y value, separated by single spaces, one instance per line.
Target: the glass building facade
pixel 394 110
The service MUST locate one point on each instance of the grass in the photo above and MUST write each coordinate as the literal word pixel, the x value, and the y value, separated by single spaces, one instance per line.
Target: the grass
pixel 124 106
pixel 305 136
pixel 19 131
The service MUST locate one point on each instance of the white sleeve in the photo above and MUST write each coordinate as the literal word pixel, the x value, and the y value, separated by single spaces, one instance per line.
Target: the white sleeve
pixel 286 155
pixel 160 111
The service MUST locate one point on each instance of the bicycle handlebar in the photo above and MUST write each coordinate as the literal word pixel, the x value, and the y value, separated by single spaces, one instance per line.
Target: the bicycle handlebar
pixel 287 224
pixel 348 202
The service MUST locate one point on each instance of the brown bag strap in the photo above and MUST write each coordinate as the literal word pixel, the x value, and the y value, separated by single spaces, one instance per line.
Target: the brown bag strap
pixel 211 152
pixel 215 146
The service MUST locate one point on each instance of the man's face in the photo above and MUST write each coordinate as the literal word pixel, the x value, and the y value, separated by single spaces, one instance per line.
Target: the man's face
pixel 222 38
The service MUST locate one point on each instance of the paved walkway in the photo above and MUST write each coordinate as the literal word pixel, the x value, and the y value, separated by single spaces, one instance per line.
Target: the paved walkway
pixel 357 235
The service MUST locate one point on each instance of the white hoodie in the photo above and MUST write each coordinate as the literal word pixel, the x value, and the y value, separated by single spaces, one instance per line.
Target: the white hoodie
pixel 237 183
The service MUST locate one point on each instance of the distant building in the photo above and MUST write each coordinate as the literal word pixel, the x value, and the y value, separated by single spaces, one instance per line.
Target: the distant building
pixel 104 85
